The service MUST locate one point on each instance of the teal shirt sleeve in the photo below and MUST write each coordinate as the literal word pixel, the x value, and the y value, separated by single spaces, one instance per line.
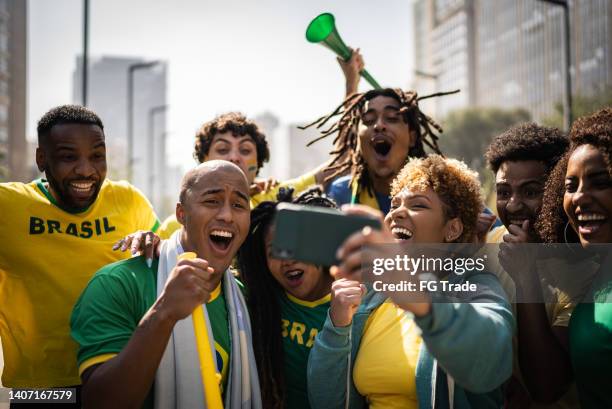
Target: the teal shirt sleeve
pixel 331 354
pixel 472 341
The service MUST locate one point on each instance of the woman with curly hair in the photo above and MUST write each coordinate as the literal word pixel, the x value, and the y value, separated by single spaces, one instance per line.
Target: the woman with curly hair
pixel 381 352
pixel 587 202
pixel 288 302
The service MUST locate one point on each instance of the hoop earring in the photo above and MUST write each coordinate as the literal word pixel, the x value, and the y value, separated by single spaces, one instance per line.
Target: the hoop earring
pixel 565 232
pixel 567 243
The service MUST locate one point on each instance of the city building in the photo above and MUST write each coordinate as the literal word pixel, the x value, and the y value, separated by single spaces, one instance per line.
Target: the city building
pixel 13 54
pixel 108 96
pixel 289 155
pixel 278 166
pixel 304 158
pixel 510 53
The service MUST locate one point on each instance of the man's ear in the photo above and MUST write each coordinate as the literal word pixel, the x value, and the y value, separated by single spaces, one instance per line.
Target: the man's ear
pixel 453 230
pixel 41 161
pixel 180 213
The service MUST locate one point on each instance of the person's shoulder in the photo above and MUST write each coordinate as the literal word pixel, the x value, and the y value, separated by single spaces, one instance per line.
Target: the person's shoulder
pixel 17 188
pixel 340 190
pixel 496 234
pixel 342 182
pixel 118 186
pixel 126 270
pixel 169 226
pixel 124 194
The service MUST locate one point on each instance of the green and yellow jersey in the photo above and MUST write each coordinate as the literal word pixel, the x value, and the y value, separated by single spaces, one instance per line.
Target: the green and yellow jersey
pixel 113 303
pixel 47 257
pixel 301 322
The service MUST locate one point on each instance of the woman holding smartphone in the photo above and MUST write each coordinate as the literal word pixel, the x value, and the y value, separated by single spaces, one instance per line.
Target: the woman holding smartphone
pixel 381 352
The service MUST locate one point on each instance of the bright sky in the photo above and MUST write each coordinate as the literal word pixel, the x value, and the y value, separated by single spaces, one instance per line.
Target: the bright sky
pixel 222 55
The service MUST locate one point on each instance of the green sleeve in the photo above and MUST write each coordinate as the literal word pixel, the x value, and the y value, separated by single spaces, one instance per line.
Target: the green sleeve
pixel 106 314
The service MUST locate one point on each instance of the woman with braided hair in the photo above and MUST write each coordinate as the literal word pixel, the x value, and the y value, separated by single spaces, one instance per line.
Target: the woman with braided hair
pixel 377 132
pixel 293 294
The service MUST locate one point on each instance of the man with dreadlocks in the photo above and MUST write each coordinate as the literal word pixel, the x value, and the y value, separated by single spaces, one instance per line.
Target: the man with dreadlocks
pixel 377 132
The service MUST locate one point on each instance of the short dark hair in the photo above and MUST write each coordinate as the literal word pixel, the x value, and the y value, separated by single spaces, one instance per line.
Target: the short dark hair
pixel 66 114
pixel 527 141
pixel 238 125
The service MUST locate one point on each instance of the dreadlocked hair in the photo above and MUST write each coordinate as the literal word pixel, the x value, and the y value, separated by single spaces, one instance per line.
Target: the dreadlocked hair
pixel 347 157
pixel 263 293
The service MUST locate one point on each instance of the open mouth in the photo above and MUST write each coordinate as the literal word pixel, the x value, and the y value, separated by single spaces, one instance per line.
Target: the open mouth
pixel 294 277
pixel 401 233
pixel 518 221
pixel 382 146
pixel 590 223
pixel 221 239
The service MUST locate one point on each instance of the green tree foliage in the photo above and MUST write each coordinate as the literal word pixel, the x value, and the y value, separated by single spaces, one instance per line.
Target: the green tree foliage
pixel 468 132
pixel 581 106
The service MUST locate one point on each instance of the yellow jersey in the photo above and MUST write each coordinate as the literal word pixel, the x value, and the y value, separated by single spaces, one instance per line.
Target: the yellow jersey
pixel 385 366
pixel 47 257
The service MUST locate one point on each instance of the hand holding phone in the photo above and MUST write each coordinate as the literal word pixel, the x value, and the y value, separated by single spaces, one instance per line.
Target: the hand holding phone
pixel 314 234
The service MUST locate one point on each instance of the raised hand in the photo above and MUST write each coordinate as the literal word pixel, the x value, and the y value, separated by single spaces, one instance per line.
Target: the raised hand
pixel 518 259
pixel 351 70
pixel 346 296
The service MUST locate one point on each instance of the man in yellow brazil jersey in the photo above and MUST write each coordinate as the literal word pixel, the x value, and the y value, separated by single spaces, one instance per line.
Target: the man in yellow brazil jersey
pixel 55 233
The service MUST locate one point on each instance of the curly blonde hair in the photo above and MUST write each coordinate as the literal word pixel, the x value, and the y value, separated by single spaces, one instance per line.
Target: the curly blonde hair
pixel 456 185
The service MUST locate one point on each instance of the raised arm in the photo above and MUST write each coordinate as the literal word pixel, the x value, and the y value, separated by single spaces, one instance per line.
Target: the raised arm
pixel 351 70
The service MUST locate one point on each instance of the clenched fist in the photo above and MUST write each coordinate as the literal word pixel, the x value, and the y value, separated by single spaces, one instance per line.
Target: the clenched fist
pixel 346 296
pixel 189 285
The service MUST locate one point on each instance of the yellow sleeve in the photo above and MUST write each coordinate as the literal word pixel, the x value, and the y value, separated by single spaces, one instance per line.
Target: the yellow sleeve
pixel 496 235
pixel 88 363
pixel 145 216
pixel 169 226
pixel 299 184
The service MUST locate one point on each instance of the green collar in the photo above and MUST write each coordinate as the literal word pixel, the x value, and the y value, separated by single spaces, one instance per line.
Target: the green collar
pixel 40 183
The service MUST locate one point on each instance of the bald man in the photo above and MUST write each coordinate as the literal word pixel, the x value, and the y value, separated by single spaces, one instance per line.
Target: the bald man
pixel 129 311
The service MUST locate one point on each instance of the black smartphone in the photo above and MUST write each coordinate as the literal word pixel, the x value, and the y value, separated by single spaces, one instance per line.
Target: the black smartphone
pixel 313 234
